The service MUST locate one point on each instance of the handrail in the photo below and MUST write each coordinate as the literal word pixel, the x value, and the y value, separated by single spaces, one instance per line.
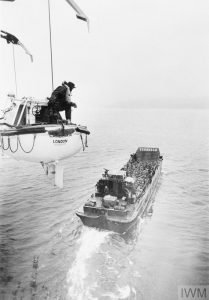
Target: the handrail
pixel 82 130
pixel 6 124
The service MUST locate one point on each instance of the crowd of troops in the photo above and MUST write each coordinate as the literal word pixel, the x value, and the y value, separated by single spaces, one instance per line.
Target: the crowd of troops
pixel 142 171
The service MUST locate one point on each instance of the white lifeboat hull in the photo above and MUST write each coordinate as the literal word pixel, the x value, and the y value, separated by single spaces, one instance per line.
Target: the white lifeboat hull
pixel 42 147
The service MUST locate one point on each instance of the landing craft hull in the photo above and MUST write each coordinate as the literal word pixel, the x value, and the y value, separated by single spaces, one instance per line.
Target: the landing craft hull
pixel 42 144
pixel 104 223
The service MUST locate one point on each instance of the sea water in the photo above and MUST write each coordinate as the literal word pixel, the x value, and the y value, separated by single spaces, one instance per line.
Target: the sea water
pixel 165 250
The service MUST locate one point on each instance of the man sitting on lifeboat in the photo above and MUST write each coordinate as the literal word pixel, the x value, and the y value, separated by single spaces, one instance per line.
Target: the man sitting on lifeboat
pixel 60 100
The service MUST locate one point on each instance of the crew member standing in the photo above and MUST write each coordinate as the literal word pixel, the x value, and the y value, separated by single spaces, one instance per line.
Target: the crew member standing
pixel 60 100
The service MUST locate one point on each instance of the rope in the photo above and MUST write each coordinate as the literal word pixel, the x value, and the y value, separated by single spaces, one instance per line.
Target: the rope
pixel 6 110
pixel 2 143
pixel 82 142
pixel 34 138
pixel 13 51
pixel 13 151
pixel 86 142
pixel 50 35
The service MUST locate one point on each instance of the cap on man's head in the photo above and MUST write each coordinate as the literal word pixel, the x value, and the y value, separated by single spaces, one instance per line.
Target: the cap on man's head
pixel 71 85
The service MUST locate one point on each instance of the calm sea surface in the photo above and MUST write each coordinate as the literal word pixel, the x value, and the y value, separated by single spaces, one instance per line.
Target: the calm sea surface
pixel 168 249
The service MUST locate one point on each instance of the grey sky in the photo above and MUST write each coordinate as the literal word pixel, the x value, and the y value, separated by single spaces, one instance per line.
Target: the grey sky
pixel 138 52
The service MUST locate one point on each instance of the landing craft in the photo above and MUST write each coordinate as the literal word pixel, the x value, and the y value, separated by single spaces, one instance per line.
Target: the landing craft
pixel 24 135
pixel 124 196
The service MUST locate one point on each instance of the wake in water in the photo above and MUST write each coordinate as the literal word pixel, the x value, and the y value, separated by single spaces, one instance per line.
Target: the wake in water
pixel 89 244
pixel 101 267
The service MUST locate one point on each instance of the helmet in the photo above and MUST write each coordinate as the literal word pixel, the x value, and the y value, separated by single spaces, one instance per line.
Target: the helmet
pixel 71 85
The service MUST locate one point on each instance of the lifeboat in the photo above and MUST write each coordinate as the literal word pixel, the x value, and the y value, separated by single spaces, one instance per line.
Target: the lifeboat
pixel 24 135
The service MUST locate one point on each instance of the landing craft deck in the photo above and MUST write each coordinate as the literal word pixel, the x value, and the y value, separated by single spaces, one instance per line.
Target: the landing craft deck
pixel 122 196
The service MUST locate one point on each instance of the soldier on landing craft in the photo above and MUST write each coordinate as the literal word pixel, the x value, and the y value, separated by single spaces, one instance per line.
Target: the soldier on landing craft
pixel 106 190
